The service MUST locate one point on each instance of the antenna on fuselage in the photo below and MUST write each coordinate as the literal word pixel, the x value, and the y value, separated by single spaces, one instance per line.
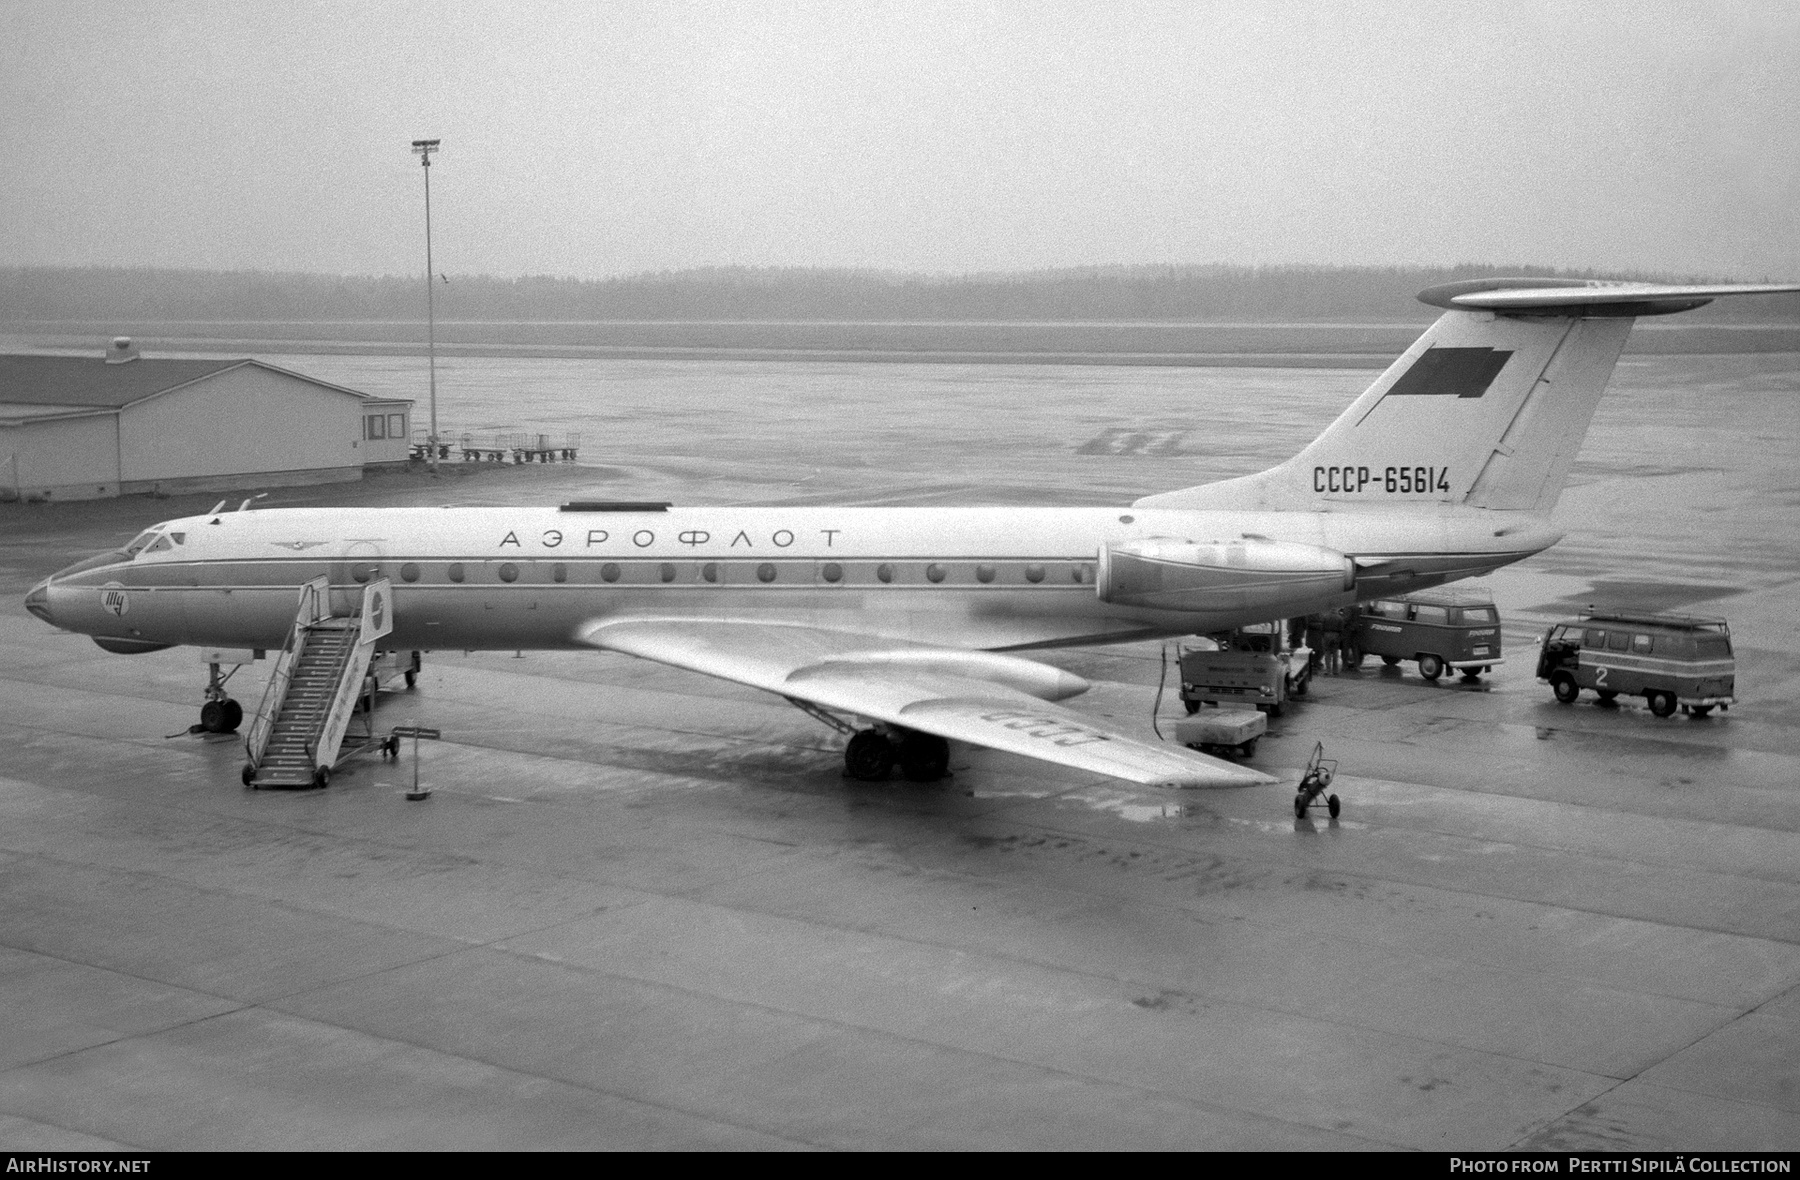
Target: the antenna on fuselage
pixel 217 508
pixel 246 504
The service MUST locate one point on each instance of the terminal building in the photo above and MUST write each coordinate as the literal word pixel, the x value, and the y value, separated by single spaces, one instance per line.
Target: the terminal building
pixel 80 428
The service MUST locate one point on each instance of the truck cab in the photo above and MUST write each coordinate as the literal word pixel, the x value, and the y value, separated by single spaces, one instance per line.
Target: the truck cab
pixel 1454 627
pixel 1669 660
pixel 1252 665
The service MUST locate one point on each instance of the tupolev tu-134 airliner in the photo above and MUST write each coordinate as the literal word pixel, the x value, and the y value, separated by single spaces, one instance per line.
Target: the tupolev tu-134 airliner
pixel 909 619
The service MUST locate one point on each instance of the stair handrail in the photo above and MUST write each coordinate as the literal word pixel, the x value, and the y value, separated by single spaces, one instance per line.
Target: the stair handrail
pixel 314 596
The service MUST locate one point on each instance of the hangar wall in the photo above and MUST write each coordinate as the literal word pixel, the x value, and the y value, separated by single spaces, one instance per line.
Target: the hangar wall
pixel 245 421
pixel 64 458
pixel 76 428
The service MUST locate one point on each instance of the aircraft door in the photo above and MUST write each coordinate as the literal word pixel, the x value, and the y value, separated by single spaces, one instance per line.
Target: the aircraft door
pixel 357 563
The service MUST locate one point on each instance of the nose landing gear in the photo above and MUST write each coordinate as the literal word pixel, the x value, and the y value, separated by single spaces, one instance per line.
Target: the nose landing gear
pixel 220 714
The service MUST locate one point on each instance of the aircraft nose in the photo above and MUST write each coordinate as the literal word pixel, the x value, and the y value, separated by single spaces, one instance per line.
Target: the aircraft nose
pixel 38 601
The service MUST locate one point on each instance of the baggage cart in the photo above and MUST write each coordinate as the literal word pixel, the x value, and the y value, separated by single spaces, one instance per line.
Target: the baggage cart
pixel 1223 733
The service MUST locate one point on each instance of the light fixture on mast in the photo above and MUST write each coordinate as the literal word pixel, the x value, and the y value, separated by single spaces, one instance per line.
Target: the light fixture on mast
pixel 423 148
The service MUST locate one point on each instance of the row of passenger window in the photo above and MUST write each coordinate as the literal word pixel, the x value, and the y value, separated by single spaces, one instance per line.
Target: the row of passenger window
pixel 1602 639
pixel 1421 612
pixel 1702 646
pixel 714 572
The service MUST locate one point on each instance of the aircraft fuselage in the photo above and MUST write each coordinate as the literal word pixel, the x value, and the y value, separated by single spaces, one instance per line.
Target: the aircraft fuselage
pixel 510 578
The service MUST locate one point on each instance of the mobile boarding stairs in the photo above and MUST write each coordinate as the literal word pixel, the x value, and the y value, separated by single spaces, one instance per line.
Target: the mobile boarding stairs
pixel 319 686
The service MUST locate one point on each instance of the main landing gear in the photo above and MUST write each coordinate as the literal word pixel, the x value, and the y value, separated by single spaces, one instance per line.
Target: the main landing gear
pixel 220 714
pixel 871 756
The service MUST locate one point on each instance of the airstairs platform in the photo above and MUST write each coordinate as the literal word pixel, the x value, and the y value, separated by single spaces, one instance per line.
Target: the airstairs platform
pixel 302 729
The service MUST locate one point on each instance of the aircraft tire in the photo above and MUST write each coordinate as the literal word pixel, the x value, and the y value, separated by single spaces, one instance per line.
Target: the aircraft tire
pixel 212 717
pixel 869 756
pixel 1431 667
pixel 924 757
pixel 234 715
pixel 1565 688
pixel 1662 704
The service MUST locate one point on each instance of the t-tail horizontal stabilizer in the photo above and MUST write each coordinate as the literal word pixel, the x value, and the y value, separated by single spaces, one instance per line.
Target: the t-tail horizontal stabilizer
pixel 1486 409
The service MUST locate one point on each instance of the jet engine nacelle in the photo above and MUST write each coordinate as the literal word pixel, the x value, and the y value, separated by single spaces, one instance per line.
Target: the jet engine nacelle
pixel 1263 578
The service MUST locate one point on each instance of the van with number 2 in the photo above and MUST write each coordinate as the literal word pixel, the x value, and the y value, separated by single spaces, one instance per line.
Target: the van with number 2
pixel 1669 660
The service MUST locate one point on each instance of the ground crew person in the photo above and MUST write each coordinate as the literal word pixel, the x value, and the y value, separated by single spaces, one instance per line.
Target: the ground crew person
pixel 1331 623
pixel 1315 640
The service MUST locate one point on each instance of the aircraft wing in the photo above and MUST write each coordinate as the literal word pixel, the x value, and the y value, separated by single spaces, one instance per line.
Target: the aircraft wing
pixel 986 698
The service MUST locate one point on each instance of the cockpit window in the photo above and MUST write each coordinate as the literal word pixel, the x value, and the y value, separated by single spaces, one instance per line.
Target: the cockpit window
pixel 160 545
pixel 140 542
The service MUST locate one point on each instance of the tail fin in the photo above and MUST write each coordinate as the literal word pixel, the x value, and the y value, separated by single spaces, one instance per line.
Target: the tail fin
pixel 1488 408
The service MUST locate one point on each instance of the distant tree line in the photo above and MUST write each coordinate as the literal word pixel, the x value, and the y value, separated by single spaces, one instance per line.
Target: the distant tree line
pixel 1241 294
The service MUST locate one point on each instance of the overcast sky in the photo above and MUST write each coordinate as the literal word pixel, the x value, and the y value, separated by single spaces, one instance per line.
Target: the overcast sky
pixel 596 139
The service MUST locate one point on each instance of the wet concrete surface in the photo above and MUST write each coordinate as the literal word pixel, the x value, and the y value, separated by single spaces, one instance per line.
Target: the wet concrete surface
pixel 644 908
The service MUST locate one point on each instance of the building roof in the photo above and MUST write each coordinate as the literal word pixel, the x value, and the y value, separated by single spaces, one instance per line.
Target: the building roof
pixel 88 382
pixel 84 381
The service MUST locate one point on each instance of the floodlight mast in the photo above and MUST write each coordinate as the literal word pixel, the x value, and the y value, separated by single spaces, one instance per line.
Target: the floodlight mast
pixel 423 149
